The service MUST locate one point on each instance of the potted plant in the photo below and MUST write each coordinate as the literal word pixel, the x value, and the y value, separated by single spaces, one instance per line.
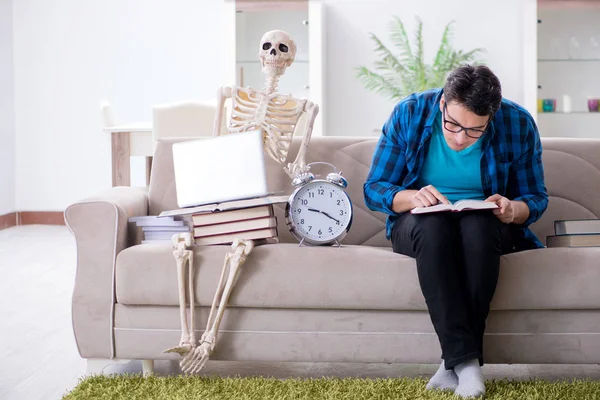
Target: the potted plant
pixel 395 77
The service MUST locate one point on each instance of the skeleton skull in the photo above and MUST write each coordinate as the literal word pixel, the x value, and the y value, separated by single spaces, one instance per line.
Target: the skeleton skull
pixel 277 52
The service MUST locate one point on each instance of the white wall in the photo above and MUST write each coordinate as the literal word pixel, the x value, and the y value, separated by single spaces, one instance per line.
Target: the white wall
pixel 70 54
pixel 499 27
pixel 7 110
pixel 573 37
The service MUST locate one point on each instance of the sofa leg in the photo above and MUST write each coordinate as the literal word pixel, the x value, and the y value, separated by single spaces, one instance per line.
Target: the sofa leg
pixel 148 367
pixel 96 366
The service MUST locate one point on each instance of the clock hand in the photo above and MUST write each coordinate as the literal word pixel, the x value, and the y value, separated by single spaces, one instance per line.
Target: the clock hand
pixel 327 215
pixel 324 213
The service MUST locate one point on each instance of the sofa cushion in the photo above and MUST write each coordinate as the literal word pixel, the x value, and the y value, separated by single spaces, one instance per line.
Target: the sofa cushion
pixel 285 275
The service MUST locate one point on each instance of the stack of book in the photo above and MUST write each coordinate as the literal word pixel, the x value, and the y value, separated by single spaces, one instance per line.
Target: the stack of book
pixel 223 227
pixel 161 229
pixel 222 223
pixel 575 233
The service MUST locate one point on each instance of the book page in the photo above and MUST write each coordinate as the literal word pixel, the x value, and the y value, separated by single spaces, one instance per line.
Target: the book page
pixel 474 205
pixel 458 206
pixel 430 209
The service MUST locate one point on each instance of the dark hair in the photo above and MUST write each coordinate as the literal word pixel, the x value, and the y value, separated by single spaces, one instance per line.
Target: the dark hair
pixel 475 87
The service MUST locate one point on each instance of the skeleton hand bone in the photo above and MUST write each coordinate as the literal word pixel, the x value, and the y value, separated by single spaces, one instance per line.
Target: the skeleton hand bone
pixel 295 169
pixel 183 349
pixel 194 360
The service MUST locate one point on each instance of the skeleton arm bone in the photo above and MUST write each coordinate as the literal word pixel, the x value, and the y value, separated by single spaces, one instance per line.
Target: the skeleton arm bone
pixel 222 95
pixel 299 164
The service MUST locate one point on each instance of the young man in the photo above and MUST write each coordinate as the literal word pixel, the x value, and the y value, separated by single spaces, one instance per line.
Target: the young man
pixel 462 141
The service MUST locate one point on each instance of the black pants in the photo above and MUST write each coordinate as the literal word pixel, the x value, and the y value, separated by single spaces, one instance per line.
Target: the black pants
pixel 458 257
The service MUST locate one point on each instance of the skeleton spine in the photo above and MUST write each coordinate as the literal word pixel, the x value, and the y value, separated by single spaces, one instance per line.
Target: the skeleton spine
pixel 272 83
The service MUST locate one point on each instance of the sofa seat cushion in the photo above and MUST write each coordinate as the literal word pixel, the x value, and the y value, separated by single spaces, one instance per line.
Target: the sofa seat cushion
pixel 285 275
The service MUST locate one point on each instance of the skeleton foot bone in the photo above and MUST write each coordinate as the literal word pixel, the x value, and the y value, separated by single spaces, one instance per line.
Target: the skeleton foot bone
pixel 195 359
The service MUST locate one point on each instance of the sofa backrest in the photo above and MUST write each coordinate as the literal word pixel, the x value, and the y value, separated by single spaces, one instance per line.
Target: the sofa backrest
pixel 572 173
pixel 572 176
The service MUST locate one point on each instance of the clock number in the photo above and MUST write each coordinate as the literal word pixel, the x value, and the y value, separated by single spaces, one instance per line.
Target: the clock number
pixel 311 195
pixel 330 229
pixel 309 228
pixel 302 221
pixel 304 202
pixel 338 202
pixel 320 233
pixel 331 195
pixel 341 212
pixel 321 191
pixel 299 211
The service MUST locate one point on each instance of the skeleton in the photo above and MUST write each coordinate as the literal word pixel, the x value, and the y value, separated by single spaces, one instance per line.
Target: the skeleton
pixel 276 115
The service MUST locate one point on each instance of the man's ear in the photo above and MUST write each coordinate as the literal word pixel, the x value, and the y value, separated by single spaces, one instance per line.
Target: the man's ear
pixel 442 101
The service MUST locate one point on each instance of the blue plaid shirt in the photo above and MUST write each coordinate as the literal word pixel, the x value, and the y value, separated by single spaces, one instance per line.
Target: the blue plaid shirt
pixel 511 159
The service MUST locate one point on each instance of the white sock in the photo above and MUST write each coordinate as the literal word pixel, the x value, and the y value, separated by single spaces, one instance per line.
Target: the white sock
pixel 470 379
pixel 444 379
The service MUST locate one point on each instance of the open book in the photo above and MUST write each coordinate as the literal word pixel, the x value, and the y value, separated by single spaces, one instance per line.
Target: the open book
pixel 460 205
pixel 228 205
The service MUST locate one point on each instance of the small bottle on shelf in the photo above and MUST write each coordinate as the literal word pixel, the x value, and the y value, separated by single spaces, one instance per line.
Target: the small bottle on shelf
pixel 566 106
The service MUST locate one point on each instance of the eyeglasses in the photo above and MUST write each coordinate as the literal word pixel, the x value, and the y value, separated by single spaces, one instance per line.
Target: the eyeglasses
pixel 457 128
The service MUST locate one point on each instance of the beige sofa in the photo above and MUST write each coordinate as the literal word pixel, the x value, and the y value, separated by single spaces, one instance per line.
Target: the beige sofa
pixel 357 303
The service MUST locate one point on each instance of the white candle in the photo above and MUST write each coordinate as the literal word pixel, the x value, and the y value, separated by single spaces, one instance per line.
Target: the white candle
pixel 566 103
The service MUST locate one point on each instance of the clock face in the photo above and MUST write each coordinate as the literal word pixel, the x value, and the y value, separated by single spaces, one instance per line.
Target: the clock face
pixel 320 212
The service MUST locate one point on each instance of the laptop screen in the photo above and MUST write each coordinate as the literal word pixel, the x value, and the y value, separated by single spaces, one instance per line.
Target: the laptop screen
pixel 221 168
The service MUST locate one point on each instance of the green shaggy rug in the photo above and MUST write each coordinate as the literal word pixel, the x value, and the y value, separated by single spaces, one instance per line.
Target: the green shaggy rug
pixel 257 388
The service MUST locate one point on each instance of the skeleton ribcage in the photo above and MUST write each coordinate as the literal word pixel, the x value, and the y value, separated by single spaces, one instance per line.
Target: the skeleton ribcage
pixel 276 115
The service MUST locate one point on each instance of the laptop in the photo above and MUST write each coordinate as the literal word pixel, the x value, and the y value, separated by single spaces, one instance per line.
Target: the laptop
pixel 220 168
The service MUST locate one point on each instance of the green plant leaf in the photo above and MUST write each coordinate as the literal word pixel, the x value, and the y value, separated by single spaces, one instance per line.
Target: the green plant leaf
pixel 389 63
pixel 399 74
pixel 419 63
pixel 400 38
pixel 378 84
pixel 386 54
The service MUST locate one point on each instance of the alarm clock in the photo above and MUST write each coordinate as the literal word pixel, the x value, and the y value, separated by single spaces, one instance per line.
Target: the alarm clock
pixel 319 211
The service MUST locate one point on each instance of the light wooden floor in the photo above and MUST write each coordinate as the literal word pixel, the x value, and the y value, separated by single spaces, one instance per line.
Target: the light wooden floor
pixel 39 358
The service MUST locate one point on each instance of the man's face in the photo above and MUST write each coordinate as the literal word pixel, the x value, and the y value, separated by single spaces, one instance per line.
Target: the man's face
pixel 455 119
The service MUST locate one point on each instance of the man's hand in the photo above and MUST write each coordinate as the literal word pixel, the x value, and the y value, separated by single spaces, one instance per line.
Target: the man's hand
pixel 505 211
pixel 428 196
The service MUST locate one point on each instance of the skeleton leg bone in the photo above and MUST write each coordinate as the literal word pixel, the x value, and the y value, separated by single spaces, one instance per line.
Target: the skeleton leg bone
pixel 181 243
pixel 197 357
pixel 192 298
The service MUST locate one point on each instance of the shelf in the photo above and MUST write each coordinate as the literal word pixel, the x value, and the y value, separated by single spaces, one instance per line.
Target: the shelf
pixel 258 62
pixel 572 112
pixel 575 60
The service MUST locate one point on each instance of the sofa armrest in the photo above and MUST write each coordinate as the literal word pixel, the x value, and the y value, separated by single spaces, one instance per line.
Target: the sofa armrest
pixel 101 229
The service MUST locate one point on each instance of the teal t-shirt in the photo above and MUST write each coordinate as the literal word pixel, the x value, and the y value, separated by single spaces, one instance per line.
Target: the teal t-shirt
pixel 456 174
